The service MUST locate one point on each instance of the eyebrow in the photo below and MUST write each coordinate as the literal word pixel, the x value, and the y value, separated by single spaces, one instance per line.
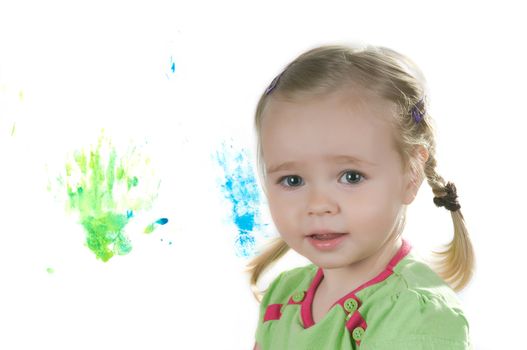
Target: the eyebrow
pixel 342 159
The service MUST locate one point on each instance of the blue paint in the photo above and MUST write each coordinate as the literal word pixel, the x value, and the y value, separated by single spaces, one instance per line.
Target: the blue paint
pixel 129 214
pixel 150 228
pixel 171 69
pixel 240 187
pixel 162 221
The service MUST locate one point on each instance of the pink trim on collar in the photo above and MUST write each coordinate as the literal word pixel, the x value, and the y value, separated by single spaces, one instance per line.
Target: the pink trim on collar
pixel 355 321
pixel 273 312
pixel 306 308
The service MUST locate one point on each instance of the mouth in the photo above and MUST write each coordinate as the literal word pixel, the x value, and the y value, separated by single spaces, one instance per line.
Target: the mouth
pixel 326 241
pixel 326 236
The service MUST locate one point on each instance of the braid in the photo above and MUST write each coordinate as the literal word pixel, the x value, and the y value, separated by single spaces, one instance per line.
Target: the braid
pixel 456 263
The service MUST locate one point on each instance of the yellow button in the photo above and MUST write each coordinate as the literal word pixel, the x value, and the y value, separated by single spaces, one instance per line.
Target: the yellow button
pixel 350 305
pixel 298 297
pixel 358 333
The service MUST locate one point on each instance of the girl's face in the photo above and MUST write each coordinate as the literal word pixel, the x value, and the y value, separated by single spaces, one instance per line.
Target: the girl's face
pixel 314 183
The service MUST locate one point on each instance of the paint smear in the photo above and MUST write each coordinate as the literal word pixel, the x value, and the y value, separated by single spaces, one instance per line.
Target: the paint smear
pixel 10 109
pixel 169 242
pixel 150 228
pixel 171 68
pixel 172 65
pixel 240 187
pixel 50 270
pixel 105 190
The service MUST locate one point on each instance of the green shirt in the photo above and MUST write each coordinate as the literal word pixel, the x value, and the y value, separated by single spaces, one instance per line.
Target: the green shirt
pixel 407 306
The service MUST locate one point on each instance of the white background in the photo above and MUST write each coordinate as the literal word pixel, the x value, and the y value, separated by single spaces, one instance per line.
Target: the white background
pixel 89 65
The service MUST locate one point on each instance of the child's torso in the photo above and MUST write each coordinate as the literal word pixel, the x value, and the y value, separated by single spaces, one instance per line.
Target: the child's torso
pixel 293 316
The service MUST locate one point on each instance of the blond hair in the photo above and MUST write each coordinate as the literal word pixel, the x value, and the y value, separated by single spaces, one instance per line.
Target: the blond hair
pixel 391 76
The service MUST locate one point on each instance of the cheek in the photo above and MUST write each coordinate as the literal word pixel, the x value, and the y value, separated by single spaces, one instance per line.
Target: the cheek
pixel 280 199
pixel 282 213
pixel 374 213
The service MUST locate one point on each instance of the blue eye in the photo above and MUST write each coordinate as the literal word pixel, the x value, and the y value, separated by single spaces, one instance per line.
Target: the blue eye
pixel 352 176
pixel 294 180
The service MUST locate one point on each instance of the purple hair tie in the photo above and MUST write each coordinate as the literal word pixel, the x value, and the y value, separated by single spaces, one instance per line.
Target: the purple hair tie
pixel 417 115
pixel 273 84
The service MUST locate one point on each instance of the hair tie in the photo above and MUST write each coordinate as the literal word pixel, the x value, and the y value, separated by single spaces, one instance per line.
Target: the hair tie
pixel 417 114
pixel 273 84
pixel 449 201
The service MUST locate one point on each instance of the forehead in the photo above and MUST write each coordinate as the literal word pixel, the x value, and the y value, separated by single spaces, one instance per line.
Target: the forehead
pixel 356 124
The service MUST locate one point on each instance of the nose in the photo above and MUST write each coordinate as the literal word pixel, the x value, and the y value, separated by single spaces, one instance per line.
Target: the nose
pixel 321 203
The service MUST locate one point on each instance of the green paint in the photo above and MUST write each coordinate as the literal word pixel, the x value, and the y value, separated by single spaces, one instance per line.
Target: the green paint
pixel 50 270
pixel 13 129
pixel 102 187
pixel 132 182
pixel 105 232
pixel 150 228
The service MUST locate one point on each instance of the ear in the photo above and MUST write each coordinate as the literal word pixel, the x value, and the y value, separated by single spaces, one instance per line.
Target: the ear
pixel 415 175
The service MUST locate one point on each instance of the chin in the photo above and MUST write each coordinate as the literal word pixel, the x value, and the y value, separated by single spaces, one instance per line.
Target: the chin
pixel 331 262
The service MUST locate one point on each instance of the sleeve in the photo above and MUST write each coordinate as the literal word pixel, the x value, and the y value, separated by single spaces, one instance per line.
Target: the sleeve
pixel 263 306
pixel 417 321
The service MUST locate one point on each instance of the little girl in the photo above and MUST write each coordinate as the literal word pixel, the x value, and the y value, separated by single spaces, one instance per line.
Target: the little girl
pixel 344 144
